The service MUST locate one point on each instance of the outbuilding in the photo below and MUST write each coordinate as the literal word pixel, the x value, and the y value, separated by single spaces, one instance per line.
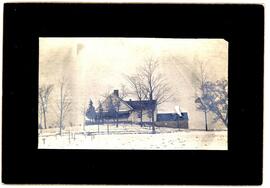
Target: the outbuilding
pixel 172 120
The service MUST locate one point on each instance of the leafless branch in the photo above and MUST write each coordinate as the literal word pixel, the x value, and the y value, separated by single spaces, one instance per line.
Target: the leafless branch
pixel 44 93
pixel 64 102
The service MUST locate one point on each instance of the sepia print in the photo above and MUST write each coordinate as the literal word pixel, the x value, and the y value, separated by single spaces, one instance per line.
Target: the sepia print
pixel 133 93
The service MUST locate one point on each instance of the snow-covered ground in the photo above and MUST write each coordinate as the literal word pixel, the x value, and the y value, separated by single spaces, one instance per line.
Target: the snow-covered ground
pixel 133 137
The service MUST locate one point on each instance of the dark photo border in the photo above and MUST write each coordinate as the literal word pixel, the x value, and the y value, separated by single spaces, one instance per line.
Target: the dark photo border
pixel 241 25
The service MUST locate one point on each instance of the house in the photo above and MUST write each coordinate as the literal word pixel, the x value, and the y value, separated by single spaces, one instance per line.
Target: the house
pixel 114 108
pixel 172 120
pixel 144 108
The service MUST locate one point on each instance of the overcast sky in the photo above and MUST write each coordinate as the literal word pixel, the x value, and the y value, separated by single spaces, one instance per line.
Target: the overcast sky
pixel 93 66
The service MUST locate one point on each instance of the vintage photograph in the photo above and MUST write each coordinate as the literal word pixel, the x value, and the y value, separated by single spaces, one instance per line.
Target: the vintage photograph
pixel 133 93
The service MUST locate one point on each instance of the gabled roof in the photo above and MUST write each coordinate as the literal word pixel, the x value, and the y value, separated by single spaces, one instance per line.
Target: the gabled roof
pixel 172 116
pixel 128 105
pixel 144 104
pixel 123 104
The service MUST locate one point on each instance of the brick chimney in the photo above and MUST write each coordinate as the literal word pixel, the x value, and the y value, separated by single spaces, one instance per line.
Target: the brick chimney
pixel 116 92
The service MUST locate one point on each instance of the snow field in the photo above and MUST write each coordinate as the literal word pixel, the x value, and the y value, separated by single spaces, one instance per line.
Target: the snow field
pixel 130 137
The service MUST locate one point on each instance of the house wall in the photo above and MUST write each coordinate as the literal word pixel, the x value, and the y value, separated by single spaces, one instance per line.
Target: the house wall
pixel 184 124
pixel 155 115
pixel 145 118
pixel 173 124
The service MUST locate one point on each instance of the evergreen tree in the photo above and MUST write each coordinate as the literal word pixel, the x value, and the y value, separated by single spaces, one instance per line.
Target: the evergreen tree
pixel 91 113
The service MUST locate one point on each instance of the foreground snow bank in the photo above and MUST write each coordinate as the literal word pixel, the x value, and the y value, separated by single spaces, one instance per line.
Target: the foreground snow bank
pixel 163 140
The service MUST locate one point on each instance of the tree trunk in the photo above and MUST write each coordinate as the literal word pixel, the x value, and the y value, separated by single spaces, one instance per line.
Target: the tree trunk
pixel 61 109
pixel 98 125
pixel 60 130
pixel 40 121
pixel 83 123
pixel 152 114
pixel 153 124
pixel 141 114
pixel 44 114
pixel 205 117
pixel 117 118
pixel 60 123
pixel 226 119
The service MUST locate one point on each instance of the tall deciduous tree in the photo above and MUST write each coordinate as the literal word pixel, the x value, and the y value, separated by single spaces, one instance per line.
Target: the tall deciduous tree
pixel 200 80
pixel 124 92
pixel 155 85
pixel 44 93
pixel 63 103
pixel 138 89
pixel 40 113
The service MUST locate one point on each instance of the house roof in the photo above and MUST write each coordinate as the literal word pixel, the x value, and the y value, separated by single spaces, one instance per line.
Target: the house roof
pixel 144 104
pixel 128 105
pixel 124 106
pixel 124 102
pixel 172 116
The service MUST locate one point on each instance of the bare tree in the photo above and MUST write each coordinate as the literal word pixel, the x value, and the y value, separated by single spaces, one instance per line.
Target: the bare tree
pixel 124 92
pixel 64 102
pixel 107 92
pixel 40 113
pixel 202 74
pixel 198 78
pixel 84 111
pixel 201 81
pixel 138 89
pixel 213 96
pixel 44 93
pixel 155 85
